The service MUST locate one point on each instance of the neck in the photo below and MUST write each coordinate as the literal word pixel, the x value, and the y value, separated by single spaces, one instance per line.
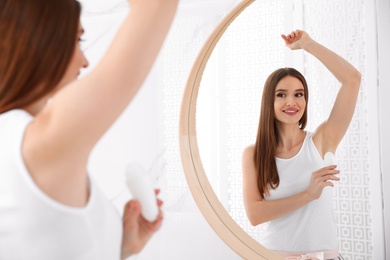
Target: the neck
pixel 34 108
pixel 289 136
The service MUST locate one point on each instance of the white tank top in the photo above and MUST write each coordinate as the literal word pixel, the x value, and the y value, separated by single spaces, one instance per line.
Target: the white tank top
pixel 35 227
pixel 312 227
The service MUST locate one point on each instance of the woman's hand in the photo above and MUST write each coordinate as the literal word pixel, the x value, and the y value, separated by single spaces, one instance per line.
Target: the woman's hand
pixel 297 40
pixel 137 230
pixel 321 179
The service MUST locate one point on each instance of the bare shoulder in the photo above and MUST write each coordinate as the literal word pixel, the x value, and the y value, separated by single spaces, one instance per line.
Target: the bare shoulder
pixel 249 151
pixel 247 154
pixel 248 165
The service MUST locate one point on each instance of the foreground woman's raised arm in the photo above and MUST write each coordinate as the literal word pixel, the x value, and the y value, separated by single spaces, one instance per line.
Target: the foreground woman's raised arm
pixel 58 142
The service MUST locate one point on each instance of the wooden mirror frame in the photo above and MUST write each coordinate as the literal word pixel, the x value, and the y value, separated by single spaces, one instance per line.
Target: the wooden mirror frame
pixel 207 201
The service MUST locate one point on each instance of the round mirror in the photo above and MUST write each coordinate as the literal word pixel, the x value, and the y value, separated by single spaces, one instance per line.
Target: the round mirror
pixel 221 103
pixel 203 192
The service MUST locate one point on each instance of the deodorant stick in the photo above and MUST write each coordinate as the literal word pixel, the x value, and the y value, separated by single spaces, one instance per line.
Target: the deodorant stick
pixel 142 190
pixel 329 159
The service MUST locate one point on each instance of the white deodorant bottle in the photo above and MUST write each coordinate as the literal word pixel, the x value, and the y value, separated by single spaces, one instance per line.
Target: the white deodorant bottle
pixel 142 190
pixel 329 159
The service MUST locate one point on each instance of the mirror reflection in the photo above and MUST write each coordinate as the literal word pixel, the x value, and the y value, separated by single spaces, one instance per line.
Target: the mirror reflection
pixel 228 105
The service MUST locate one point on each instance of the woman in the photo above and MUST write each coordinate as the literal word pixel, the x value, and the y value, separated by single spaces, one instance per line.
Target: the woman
pixel 284 178
pixel 50 122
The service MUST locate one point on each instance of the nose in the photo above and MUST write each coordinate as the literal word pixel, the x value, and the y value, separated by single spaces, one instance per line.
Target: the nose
pixel 85 62
pixel 289 102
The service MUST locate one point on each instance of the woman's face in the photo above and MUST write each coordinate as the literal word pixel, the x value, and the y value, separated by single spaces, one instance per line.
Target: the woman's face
pixel 290 103
pixel 77 61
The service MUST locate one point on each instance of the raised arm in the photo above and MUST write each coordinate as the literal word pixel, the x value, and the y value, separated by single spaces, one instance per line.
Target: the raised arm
pixel 81 113
pixel 58 142
pixel 329 134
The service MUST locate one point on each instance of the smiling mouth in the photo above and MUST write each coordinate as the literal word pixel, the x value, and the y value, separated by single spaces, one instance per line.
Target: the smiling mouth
pixel 291 112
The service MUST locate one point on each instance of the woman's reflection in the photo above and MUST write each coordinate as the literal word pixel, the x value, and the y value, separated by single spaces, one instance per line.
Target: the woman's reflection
pixel 284 178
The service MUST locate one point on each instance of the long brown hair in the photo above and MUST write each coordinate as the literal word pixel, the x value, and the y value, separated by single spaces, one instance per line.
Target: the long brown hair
pixel 267 133
pixel 37 41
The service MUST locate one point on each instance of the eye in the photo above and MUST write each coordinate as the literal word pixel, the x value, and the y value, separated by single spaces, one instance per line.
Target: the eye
pixel 81 43
pixel 299 94
pixel 281 95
